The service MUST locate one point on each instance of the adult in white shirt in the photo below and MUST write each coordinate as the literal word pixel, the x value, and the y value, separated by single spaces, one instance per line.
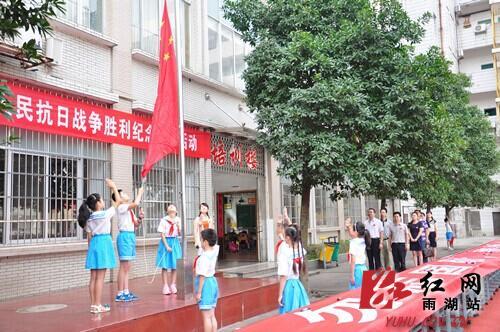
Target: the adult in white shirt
pixel 376 230
pixel 386 250
pixel 399 242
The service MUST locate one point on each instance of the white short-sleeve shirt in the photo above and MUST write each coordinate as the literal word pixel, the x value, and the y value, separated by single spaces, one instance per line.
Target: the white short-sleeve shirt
pixel 124 215
pixel 100 221
pixel 166 224
pixel 398 232
pixel 386 225
pixel 374 227
pixel 357 249
pixel 286 261
pixel 205 265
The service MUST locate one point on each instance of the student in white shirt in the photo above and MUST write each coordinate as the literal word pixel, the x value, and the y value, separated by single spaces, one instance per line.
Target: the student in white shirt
pixel 126 242
pixel 96 221
pixel 357 254
pixel 292 294
pixel 169 249
pixel 206 287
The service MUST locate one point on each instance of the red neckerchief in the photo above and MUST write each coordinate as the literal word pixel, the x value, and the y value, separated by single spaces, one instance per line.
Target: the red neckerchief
pixel 277 246
pixel 171 230
pixel 194 263
pixel 172 225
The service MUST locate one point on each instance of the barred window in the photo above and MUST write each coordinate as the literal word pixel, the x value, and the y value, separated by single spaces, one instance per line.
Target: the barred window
pixel 326 209
pixel 352 208
pixel 372 202
pixel 43 180
pixel 162 187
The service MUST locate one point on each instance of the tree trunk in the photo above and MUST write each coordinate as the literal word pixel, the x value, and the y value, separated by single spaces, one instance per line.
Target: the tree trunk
pixel 447 210
pixel 428 207
pixel 304 229
pixel 383 203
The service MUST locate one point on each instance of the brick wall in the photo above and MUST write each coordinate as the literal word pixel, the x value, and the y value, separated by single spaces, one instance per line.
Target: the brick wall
pixel 37 274
pixel 27 275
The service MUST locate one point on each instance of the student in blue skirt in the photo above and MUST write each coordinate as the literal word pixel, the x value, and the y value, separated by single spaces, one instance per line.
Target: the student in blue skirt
pixel 169 249
pixel 292 294
pixel 125 242
pixel 205 284
pixel 96 221
pixel 357 254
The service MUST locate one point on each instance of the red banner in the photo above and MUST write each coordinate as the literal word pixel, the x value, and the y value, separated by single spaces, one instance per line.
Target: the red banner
pixel 342 311
pixel 54 114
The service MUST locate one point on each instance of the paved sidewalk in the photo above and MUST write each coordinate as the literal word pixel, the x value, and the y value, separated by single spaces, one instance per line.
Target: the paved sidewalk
pixel 334 280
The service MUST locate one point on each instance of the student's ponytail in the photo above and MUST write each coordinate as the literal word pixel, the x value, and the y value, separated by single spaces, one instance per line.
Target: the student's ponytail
pixel 302 266
pixel 368 239
pixel 86 209
pixel 294 234
pixel 362 232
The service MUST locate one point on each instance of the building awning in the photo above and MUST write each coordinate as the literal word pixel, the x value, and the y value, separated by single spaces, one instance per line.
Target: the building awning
pixel 244 132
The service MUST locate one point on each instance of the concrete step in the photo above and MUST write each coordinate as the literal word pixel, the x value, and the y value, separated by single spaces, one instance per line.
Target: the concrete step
pixel 251 270
pixel 262 273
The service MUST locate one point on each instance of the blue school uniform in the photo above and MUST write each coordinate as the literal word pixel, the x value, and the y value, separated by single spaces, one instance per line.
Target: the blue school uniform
pixel 126 240
pixel 171 230
pixel 100 254
pixel 294 294
pixel 205 266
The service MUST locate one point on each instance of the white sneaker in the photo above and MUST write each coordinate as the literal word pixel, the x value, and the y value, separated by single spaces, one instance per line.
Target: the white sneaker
pixel 166 290
pixel 173 289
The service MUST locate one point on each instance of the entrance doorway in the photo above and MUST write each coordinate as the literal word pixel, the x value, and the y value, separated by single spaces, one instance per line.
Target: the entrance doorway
pixel 237 225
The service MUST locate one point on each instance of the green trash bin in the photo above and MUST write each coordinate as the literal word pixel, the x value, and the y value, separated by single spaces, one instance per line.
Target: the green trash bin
pixel 330 252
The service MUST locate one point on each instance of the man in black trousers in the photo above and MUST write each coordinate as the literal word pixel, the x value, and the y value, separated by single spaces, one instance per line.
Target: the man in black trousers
pixel 376 229
pixel 398 239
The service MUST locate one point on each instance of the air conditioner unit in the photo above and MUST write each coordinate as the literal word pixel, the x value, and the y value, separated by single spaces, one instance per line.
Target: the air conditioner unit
pixel 54 50
pixel 480 28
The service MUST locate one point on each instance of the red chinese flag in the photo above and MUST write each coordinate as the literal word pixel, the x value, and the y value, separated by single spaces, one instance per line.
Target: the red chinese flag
pixel 165 126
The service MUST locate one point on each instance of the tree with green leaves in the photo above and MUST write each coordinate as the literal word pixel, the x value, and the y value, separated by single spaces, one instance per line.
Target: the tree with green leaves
pixel 463 156
pixel 328 82
pixel 22 15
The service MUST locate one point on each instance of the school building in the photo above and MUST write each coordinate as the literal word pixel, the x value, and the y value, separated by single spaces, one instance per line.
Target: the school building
pixel 85 115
